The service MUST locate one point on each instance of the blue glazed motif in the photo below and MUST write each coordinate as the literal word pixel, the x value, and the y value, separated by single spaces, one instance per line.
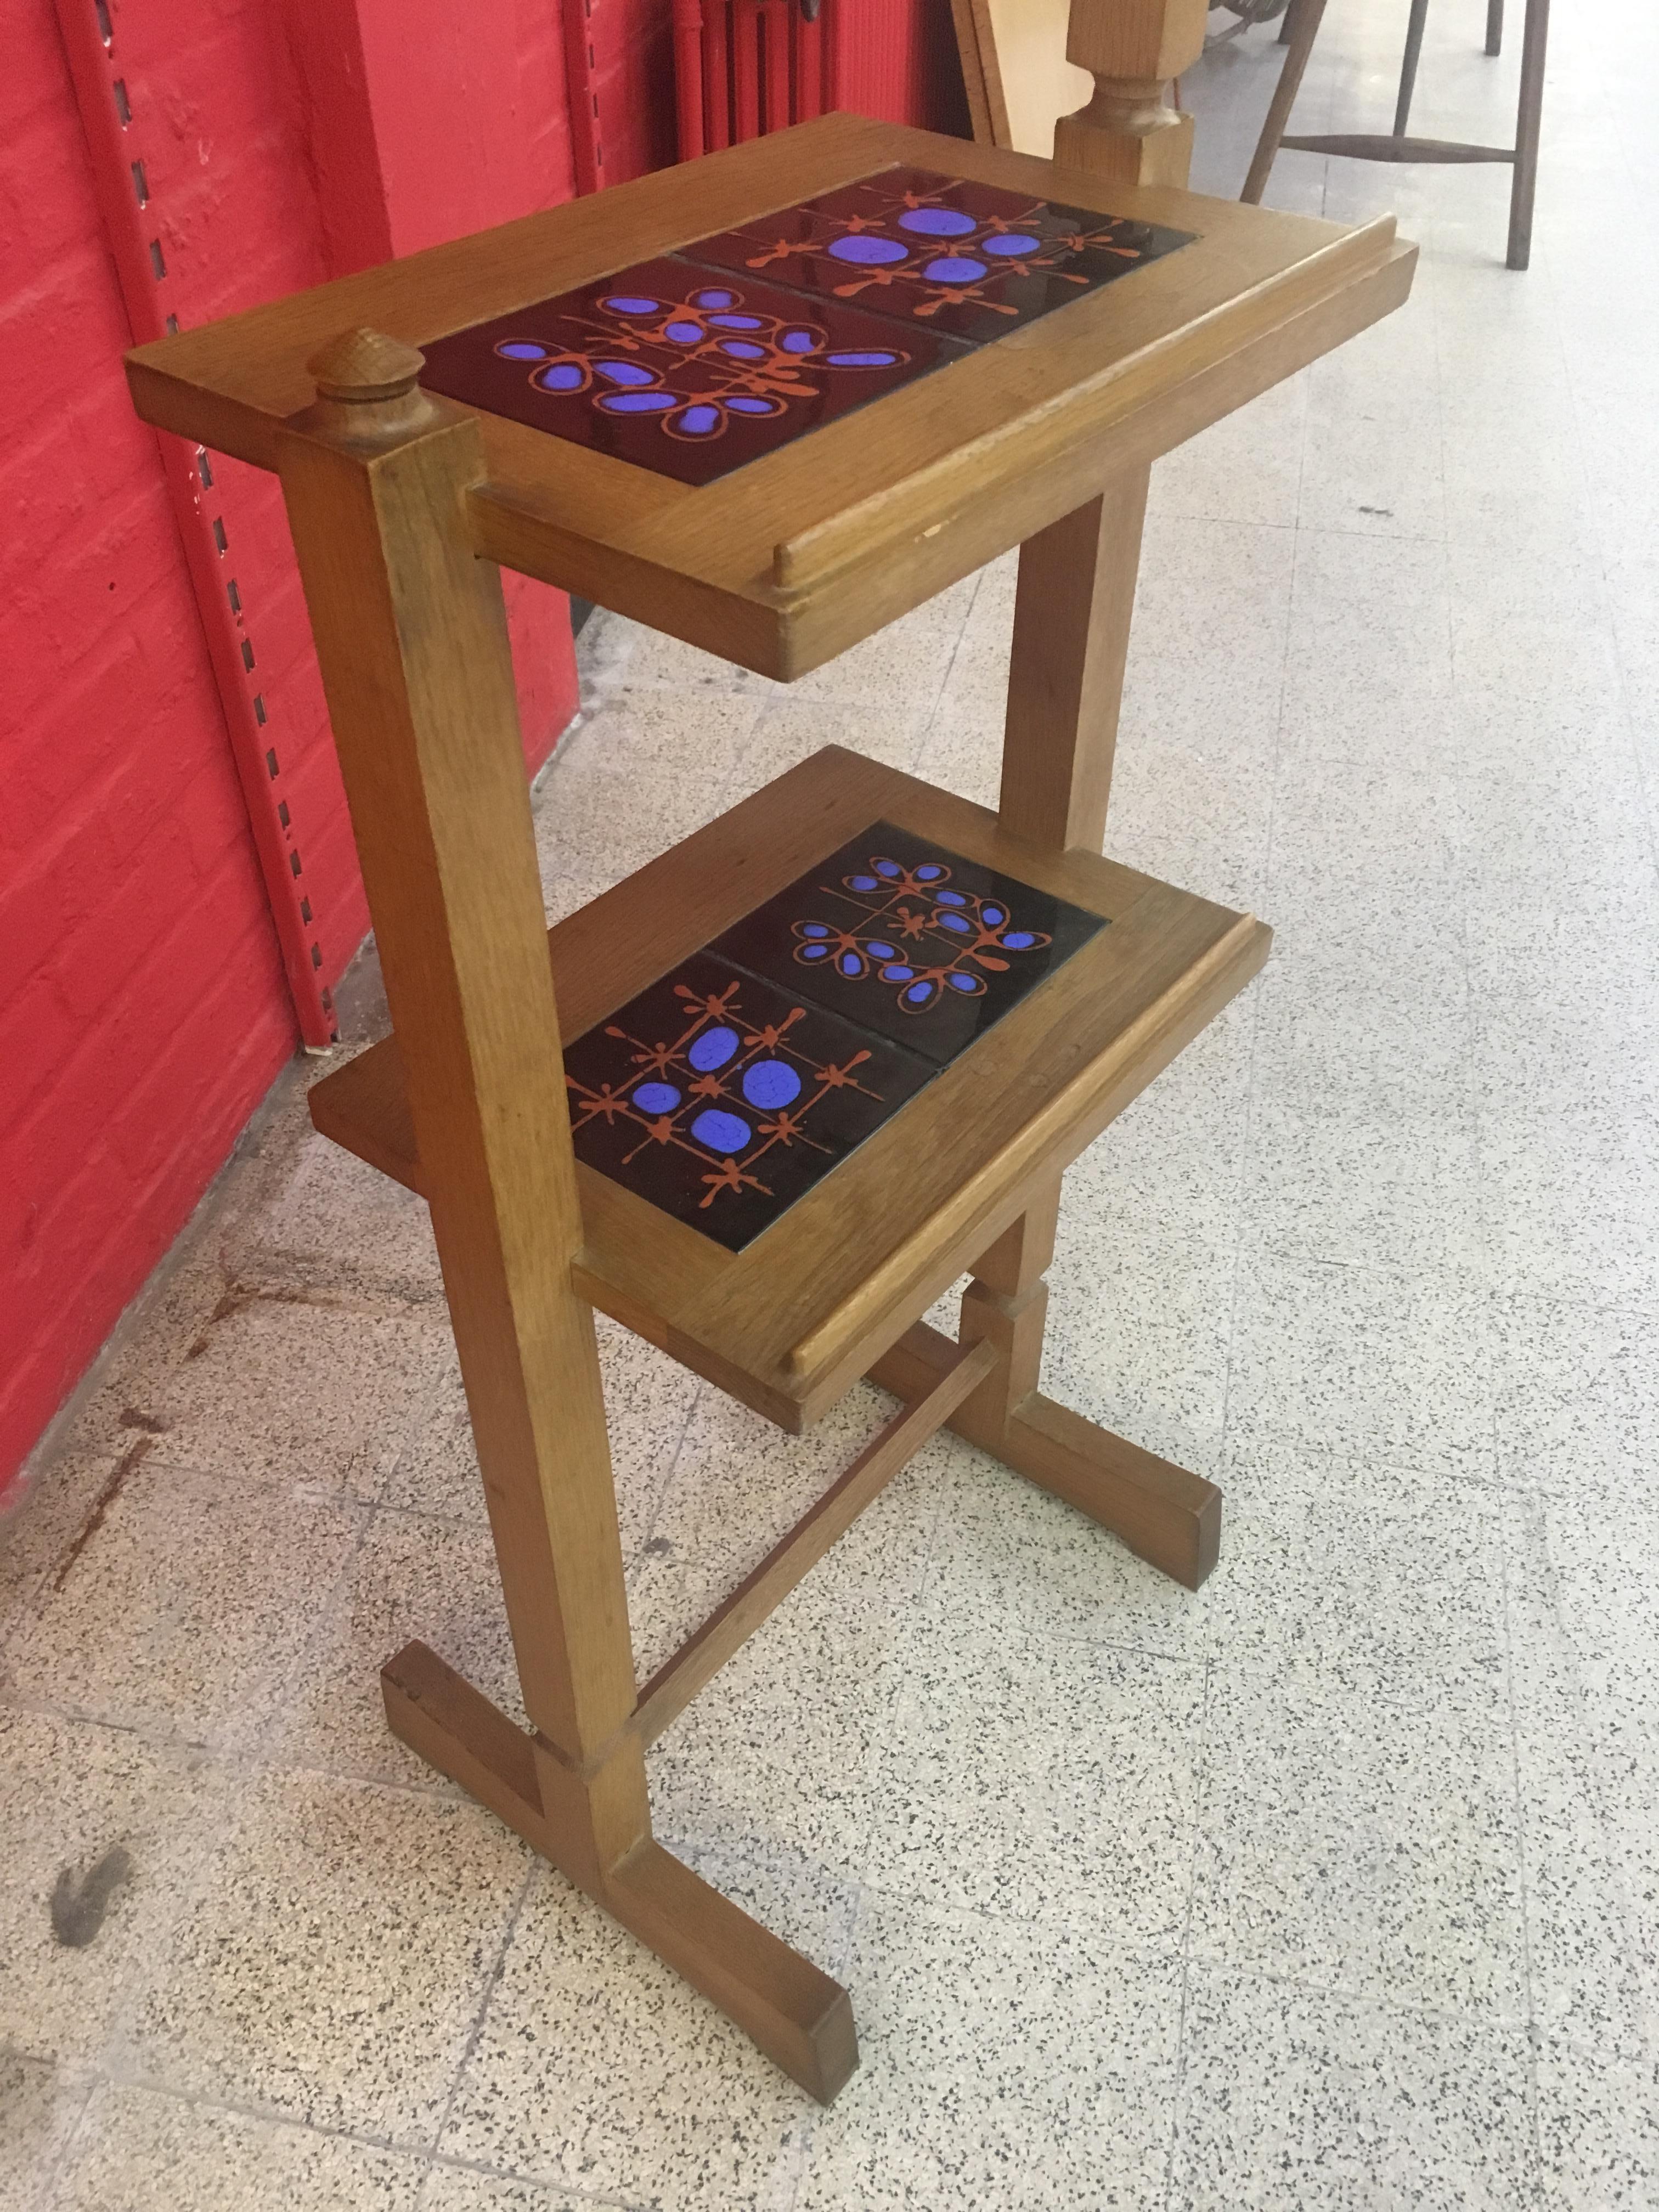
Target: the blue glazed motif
pixel 728 1097
pixel 727 362
pixel 920 936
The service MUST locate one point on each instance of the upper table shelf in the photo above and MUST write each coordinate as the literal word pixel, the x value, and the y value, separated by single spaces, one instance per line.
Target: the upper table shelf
pixel 937 462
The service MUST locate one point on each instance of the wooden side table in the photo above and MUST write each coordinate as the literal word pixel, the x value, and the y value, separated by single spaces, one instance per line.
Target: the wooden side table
pixel 770 1096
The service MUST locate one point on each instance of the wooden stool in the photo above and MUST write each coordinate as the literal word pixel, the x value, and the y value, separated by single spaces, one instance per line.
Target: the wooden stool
pixel 1302 21
pixel 835 1049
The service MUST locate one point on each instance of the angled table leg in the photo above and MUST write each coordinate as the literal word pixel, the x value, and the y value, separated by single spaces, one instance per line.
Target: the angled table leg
pixel 1071 614
pixel 411 637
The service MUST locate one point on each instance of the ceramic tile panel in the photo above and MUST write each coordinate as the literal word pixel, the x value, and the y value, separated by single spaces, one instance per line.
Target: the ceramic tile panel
pixel 693 364
pixel 959 256
pixel 723 1100
pixel 909 941
pixel 725 1092
pixel 679 371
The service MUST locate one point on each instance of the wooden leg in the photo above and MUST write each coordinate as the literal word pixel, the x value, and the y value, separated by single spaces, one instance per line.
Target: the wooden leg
pixel 1308 14
pixel 801 2019
pixel 1072 610
pixel 1005 1306
pixel 1167 1516
pixel 1077 585
pixel 411 637
pixel 1535 38
pixel 1403 106
pixel 1494 27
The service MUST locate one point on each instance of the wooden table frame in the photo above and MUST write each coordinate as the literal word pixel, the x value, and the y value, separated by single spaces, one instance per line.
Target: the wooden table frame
pixel 396 517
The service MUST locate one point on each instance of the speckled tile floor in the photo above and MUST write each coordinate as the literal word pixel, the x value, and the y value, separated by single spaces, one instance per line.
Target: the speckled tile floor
pixel 1334 1889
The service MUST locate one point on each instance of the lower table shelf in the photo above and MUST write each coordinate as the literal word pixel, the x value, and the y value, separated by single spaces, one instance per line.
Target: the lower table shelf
pixel 817 1293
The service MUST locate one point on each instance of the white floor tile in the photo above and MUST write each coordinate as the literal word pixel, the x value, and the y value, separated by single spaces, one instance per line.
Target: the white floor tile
pixel 1331 1888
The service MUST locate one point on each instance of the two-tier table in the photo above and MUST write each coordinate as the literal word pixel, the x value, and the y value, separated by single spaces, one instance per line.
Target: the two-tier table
pixel 767 1099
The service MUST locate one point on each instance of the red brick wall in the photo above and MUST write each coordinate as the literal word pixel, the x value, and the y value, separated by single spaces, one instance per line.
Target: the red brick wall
pixel 144 1011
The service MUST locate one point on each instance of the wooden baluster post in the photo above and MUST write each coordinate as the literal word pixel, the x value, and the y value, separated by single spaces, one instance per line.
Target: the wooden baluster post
pixel 1133 49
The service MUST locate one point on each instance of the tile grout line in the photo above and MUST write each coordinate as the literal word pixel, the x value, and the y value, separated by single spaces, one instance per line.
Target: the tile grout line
pixel 1527 1980
pixel 492 1982
pixel 1178 2070
pixel 1253 1074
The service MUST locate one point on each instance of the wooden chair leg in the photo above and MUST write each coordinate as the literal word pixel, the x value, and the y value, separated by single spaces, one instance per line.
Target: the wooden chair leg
pixel 1402 106
pixel 1534 37
pixel 412 638
pixel 1309 15
pixel 1494 27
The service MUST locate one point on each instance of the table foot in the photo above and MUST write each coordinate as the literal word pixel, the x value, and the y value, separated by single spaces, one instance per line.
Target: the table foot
pixel 801 2019
pixel 1166 1516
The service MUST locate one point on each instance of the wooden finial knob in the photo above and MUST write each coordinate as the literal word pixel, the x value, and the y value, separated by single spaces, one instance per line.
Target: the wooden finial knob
pixel 364 366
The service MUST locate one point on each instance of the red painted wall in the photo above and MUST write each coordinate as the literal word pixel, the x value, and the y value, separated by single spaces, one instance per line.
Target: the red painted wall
pixel 143 1011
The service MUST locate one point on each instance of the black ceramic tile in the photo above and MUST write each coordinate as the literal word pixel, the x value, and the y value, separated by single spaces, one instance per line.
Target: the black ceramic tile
pixel 723 1100
pixel 945 251
pixel 679 371
pixel 908 940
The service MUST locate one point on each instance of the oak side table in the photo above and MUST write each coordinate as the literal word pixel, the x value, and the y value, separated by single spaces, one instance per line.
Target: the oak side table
pixel 768 1097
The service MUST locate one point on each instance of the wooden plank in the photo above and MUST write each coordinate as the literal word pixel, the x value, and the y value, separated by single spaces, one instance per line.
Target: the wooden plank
pixel 411 640
pixel 1029 81
pixel 798 2015
pixel 1371 146
pixel 922 1199
pixel 788 560
pixel 1072 613
pixel 735 1620
pixel 246 372
pixel 1166 1516
pixel 930 1190
pixel 743 614
pixel 456 1730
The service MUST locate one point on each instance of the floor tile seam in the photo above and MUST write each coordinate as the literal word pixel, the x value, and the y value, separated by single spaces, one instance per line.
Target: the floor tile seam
pixel 134 2077
pixel 1354 1443
pixel 1472 1715
pixel 226 1754
pixel 235 1484
pixel 1529 1980
pixel 557 2193
pixel 926 717
pixel 61 2165
pixel 1040 1635
pixel 1103 1935
pixel 491 1983
pixel 1467 1278
pixel 1246 1141
pixel 147 1969
pixel 270 1768
pixel 1512 2026
pixel 927 720
pixel 667 1481
pixel 284 1683
pixel 1178 2072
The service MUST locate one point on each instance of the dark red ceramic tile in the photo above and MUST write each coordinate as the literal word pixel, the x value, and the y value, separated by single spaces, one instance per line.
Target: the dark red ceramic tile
pixel 920 247
pixel 722 1099
pixel 908 939
pixel 680 371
